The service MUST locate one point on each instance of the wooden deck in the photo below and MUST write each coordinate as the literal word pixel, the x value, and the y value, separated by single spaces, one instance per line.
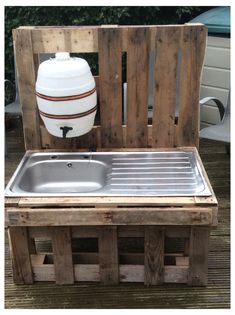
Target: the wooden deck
pixel 90 295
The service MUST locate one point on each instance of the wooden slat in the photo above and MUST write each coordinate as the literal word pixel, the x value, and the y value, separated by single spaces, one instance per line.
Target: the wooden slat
pixel 128 273
pixel 154 256
pixel 26 80
pixel 112 41
pixel 108 255
pixel 182 261
pixel 49 141
pixel 19 247
pixel 37 259
pixel 11 202
pixel 62 250
pixel 198 256
pixel 106 201
pixel 112 216
pixel 40 232
pixel 44 272
pixel 72 39
pixel 110 73
pixel 116 201
pixel 123 231
pixel 86 272
pixel 91 140
pixel 167 42
pixel 137 87
pixel 193 42
pixel 93 258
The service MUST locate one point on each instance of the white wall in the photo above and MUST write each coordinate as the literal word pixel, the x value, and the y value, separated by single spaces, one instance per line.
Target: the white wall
pixel 215 77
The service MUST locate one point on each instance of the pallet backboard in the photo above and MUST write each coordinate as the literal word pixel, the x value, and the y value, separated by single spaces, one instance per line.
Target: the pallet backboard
pixel 177 52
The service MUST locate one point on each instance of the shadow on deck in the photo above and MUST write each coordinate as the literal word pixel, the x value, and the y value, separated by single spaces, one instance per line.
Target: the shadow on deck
pixel 86 295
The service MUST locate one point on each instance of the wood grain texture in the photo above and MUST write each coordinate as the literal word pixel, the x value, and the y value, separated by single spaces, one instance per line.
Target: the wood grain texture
pixel 133 295
pixel 167 44
pixel 108 255
pixel 154 256
pixel 128 273
pixel 73 39
pixel 109 216
pixel 123 231
pixel 137 87
pixel 20 254
pixel 110 73
pixel 114 201
pixel 198 256
pixel 62 250
pixel 26 80
pixel 193 43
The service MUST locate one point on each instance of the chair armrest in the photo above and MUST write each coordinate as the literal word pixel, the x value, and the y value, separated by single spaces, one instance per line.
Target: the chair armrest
pixel 219 104
pixel 9 90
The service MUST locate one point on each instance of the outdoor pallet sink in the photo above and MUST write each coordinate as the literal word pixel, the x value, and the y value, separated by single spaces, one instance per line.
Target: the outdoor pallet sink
pixel 161 173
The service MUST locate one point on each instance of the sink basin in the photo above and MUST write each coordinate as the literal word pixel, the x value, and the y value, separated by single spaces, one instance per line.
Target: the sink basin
pixel 63 177
pixel 170 173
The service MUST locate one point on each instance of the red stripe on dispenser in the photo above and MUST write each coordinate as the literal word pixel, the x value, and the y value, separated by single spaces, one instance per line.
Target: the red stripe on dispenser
pixel 73 116
pixel 65 98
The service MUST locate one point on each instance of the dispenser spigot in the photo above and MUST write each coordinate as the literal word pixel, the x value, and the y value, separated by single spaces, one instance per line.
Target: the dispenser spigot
pixel 65 130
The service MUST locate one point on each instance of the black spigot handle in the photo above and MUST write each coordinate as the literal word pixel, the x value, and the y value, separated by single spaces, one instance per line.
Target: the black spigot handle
pixel 65 130
pixel 92 149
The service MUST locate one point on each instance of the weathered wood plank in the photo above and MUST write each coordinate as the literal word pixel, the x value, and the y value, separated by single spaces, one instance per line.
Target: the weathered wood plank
pixel 137 87
pixel 93 232
pixel 182 261
pixel 198 256
pixel 20 255
pixel 11 202
pixel 167 42
pixel 37 259
pixel 108 201
pixel 154 256
pixel 73 39
pixel 49 141
pixel 110 73
pixel 112 216
pixel 26 80
pixel 108 255
pixel 128 273
pixel 193 43
pixel 62 250
pixel 115 201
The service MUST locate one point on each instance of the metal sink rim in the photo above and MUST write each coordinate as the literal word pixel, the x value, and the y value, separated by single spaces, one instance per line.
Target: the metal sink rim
pixel 9 193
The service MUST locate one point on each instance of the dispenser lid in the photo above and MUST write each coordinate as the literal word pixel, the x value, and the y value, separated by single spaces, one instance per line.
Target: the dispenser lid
pixel 63 66
pixel 62 56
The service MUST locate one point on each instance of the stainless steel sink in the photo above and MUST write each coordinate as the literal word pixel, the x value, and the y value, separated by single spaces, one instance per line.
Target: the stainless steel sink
pixel 172 173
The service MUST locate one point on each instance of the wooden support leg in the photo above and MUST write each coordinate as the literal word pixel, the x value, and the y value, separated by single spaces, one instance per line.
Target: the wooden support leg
pixel 19 247
pixel 198 256
pixel 108 255
pixel 154 256
pixel 62 250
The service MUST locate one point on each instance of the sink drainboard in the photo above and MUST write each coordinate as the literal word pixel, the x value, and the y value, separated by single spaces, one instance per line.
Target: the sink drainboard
pixel 161 173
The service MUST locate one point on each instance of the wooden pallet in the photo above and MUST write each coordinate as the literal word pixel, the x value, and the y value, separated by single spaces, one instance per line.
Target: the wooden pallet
pixel 177 52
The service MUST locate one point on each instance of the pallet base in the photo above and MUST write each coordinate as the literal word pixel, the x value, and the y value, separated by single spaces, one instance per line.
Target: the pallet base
pixel 162 254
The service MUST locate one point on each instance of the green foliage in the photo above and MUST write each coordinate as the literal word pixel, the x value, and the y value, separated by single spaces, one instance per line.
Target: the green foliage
pixel 21 16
